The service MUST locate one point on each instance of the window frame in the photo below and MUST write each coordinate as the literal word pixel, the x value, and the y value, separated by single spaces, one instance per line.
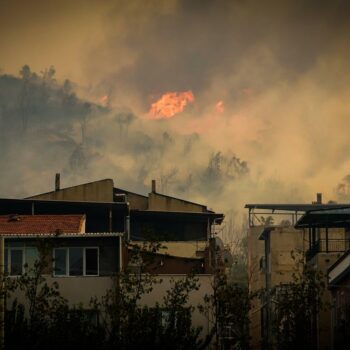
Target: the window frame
pixel 66 248
pixel 23 248
pixel 165 314
pixel 86 315
pixel 9 254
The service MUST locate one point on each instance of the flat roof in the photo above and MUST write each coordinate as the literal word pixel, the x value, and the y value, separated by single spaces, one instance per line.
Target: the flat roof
pixel 297 207
pixel 64 235
pixel 338 217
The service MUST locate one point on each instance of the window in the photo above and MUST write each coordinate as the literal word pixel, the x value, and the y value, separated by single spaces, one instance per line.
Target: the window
pixel 60 258
pixel 175 318
pixel 76 261
pixel 90 317
pixel 16 262
pixel 91 263
pixel 31 256
pixel 20 260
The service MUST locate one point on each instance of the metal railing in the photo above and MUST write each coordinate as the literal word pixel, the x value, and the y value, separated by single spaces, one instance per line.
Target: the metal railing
pixel 328 246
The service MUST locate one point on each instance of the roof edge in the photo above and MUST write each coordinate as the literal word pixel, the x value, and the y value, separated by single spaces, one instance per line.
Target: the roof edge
pixel 69 187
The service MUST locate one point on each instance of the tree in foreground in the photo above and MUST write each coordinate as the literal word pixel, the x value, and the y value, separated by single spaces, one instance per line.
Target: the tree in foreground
pixel 40 318
pixel 294 309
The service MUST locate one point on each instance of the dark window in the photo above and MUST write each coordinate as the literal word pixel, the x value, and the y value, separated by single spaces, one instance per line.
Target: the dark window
pixel 76 261
pixel 32 256
pixel 91 261
pixel 6 261
pixel 16 256
pixel 60 262
pixel 89 317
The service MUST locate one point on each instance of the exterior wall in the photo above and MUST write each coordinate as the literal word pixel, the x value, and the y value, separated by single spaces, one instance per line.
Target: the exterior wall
pixel 185 249
pixel 283 242
pixel 341 313
pixel 256 280
pixel 108 251
pixel 136 201
pixel 196 297
pixel 164 203
pixel 277 268
pixel 80 290
pixel 98 191
pixel 168 228
pixel 77 290
pixel 322 261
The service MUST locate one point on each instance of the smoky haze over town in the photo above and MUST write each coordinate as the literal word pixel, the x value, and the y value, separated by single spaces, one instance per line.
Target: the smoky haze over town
pixel 268 118
pixel 175 174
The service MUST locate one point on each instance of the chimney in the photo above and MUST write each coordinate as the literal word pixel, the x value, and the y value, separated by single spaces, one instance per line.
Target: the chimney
pixel 319 198
pixel 154 186
pixel 57 182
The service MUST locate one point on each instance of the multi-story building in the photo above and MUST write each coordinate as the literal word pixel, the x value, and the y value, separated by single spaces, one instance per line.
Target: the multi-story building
pixel 185 228
pixel 328 238
pixel 67 250
pixel 156 216
pixel 274 252
pixel 339 285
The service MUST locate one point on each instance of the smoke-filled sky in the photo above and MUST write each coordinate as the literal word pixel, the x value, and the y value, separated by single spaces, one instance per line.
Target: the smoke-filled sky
pixel 269 120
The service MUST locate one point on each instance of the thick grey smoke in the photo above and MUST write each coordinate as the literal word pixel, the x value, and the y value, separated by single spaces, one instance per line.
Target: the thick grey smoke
pixel 280 69
pixel 45 128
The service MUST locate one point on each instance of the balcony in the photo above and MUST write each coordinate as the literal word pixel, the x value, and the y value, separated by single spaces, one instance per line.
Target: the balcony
pixel 328 246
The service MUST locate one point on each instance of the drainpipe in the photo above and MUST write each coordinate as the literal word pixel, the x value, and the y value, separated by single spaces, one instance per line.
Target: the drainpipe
pixel 127 228
pixel 2 294
pixel 120 241
pixel 110 219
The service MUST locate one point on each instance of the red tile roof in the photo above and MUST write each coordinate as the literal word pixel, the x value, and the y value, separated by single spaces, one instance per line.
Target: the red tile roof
pixel 40 224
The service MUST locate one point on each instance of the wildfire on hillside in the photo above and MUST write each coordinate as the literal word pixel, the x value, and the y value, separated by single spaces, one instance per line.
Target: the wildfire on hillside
pixel 170 103
pixel 219 107
pixel 104 100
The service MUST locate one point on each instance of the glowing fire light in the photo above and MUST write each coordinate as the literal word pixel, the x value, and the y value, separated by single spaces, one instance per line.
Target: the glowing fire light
pixel 219 107
pixel 104 100
pixel 170 104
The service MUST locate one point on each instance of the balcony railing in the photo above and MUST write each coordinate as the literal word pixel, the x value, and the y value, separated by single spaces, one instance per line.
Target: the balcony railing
pixel 328 246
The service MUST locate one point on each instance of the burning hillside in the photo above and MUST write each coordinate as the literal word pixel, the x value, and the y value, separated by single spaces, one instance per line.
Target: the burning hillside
pixel 170 104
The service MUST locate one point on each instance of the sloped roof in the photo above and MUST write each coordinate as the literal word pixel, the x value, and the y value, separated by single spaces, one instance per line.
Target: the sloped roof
pixel 41 224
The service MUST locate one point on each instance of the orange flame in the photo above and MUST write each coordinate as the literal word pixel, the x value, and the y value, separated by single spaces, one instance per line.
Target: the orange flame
pixel 170 104
pixel 104 100
pixel 219 107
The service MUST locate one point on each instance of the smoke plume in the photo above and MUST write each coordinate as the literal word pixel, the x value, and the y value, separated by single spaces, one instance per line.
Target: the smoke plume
pixel 268 121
